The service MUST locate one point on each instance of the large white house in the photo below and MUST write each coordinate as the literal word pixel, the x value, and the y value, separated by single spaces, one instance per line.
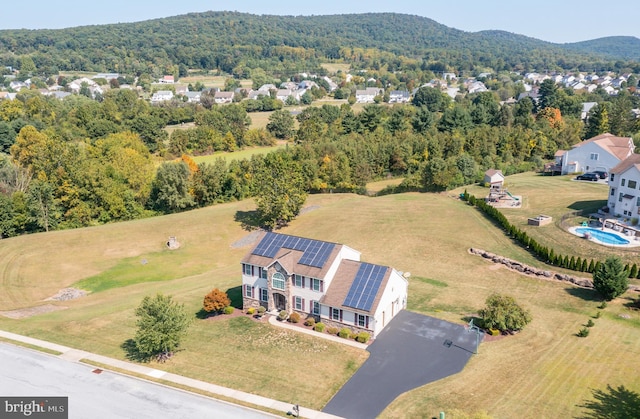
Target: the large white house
pixel 602 152
pixel 624 188
pixel 322 280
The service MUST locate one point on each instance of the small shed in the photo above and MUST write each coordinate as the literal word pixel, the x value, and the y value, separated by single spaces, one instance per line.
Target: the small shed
pixel 493 177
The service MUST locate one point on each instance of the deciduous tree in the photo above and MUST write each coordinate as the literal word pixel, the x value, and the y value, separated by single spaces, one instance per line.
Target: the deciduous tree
pixel 216 300
pixel 503 313
pixel 162 323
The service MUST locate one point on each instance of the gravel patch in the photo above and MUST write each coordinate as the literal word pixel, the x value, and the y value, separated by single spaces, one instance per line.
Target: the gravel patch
pixel 250 238
pixel 31 311
pixel 309 208
pixel 67 294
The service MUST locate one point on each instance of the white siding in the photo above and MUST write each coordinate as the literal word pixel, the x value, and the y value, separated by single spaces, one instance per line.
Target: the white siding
pixel 345 253
pixel 582 156
pixel 393 300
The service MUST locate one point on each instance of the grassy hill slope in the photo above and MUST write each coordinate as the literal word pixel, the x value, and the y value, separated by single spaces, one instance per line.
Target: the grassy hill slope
pixel 545 371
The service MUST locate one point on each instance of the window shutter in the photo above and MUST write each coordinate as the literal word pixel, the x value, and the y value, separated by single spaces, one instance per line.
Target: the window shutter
pixel 253 289
pixel 302 306
pixel 340 315
pixel 321 285
pixel 252 273
pixel 366 322
pixel 303 282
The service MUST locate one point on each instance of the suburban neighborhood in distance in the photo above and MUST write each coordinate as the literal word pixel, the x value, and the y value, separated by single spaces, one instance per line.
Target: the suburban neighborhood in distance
pixel 349 215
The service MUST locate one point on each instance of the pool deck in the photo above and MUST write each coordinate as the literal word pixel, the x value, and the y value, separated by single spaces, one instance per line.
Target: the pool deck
pixel 633 241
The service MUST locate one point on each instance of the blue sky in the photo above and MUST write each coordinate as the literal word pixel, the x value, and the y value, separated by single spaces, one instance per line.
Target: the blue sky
pixel 550 20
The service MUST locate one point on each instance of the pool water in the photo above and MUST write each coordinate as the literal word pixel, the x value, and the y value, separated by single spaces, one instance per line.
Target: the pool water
pixel 603 236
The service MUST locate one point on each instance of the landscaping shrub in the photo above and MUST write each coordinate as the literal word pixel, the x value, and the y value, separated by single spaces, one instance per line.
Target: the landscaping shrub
pixel 310 322
pixel 332 330
pixel 294 317
pixel 603 305
pixel 494 332
pixel 216 300
pixel 283 315
pixel 597 316
pixel 344 333
pixel 251 310
pixel 590 323
pixel 228 310
pixel 363 337
pixel 319 327
pixel 583 333
pixel 261 310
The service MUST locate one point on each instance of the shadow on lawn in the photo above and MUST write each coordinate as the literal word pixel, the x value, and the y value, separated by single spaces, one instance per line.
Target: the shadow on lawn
pixel 585 294
pixel 588 206
pixel 615 403
pixel 132 353
pixel 249 220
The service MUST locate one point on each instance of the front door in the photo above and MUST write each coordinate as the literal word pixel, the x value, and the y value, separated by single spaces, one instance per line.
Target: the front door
pixel 279 301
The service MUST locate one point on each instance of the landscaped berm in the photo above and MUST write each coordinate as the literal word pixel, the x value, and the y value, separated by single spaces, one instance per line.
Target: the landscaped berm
pixel 545 371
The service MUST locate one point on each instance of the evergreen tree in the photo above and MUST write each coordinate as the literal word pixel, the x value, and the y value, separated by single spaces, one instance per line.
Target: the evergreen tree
pixel 611 278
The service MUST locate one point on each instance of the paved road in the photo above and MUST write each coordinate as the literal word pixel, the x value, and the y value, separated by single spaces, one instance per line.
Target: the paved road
pixel 409 353
pixel 107 395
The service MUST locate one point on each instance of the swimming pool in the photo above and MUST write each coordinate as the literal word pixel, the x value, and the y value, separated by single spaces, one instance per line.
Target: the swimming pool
pixel 603 236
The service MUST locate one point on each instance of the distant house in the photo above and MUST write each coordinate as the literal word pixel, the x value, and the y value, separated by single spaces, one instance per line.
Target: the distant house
pixel 586 107
pixel 602 152
pixel 162 96
pixel 106 76
pixel 493 177
pixel 167 80
pixel 367 95
pixel 283 94
pixel 399 96
pixel 477 87
pixel 193 97
pixel 59 95
pixel 322 280
pixel 624 188
pixel 223 97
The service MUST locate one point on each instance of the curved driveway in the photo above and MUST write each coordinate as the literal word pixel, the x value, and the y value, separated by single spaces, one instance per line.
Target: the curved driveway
pixel 413 350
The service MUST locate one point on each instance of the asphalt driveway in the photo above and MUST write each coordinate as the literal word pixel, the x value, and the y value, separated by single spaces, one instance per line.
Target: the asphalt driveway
pixel 413 350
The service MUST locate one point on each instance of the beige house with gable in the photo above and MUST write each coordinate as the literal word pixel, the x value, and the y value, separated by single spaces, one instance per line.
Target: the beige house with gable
pixel 323 280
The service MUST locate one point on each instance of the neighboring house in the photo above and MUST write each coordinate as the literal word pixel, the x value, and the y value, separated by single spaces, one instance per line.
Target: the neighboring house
pixel 223 97
pixel 586 107
pixel 106 76
pixel 493 177
pixel 76 84
pixel 162 96
pixel 59 95
pixel 193 97
pixel 322 280
pixel 167 80
pixel 367 95
pixel 598 153
pixel 624 188
pixel 283 94
pixel 399 96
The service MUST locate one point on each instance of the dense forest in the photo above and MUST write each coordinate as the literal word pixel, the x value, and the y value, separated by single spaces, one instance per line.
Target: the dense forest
pixel 235 43
pixel 80 162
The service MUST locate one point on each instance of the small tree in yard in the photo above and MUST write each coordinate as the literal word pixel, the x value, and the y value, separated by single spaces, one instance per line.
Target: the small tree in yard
pixel 216 300
pixel 162 323
pixel 611 278
pixel 503 313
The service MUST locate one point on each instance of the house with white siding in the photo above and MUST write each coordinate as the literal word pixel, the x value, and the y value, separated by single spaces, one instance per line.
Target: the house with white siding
pixel 323 280
pixel 602 152
pixel 624 188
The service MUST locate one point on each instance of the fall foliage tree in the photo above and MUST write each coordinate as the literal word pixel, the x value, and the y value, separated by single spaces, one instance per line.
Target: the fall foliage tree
pixel 216 300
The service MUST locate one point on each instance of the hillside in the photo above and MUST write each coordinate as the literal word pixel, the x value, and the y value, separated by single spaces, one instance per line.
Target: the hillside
pixel 617 47
pixel 231 41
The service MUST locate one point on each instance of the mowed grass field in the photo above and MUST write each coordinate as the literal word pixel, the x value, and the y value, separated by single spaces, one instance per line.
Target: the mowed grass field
pixel 544 371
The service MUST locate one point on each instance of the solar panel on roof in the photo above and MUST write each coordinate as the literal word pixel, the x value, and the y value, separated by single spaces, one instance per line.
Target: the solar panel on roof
pixel 365 286
pixel 315 252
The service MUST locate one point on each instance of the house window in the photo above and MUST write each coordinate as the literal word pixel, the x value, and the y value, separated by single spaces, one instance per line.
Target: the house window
pixel 246 269
pixel 632 184
pixel 277 281
pixel 613 191
pixel 263 273
pixel 298 303
pixel 336 314
pixel 620 197
pixel 361 320
pixel 611 177
pixel 248 291
pixel 316 284
pixel 315 307
pixel 622 182
pixel 594 156
pixel 638 202
pixel 298 281
pixel 264 294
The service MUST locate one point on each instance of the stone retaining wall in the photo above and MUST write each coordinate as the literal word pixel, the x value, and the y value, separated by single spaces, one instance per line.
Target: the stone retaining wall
pixel 531 271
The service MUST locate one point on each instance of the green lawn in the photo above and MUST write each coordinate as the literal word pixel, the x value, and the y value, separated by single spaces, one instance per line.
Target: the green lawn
pixel 544 371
